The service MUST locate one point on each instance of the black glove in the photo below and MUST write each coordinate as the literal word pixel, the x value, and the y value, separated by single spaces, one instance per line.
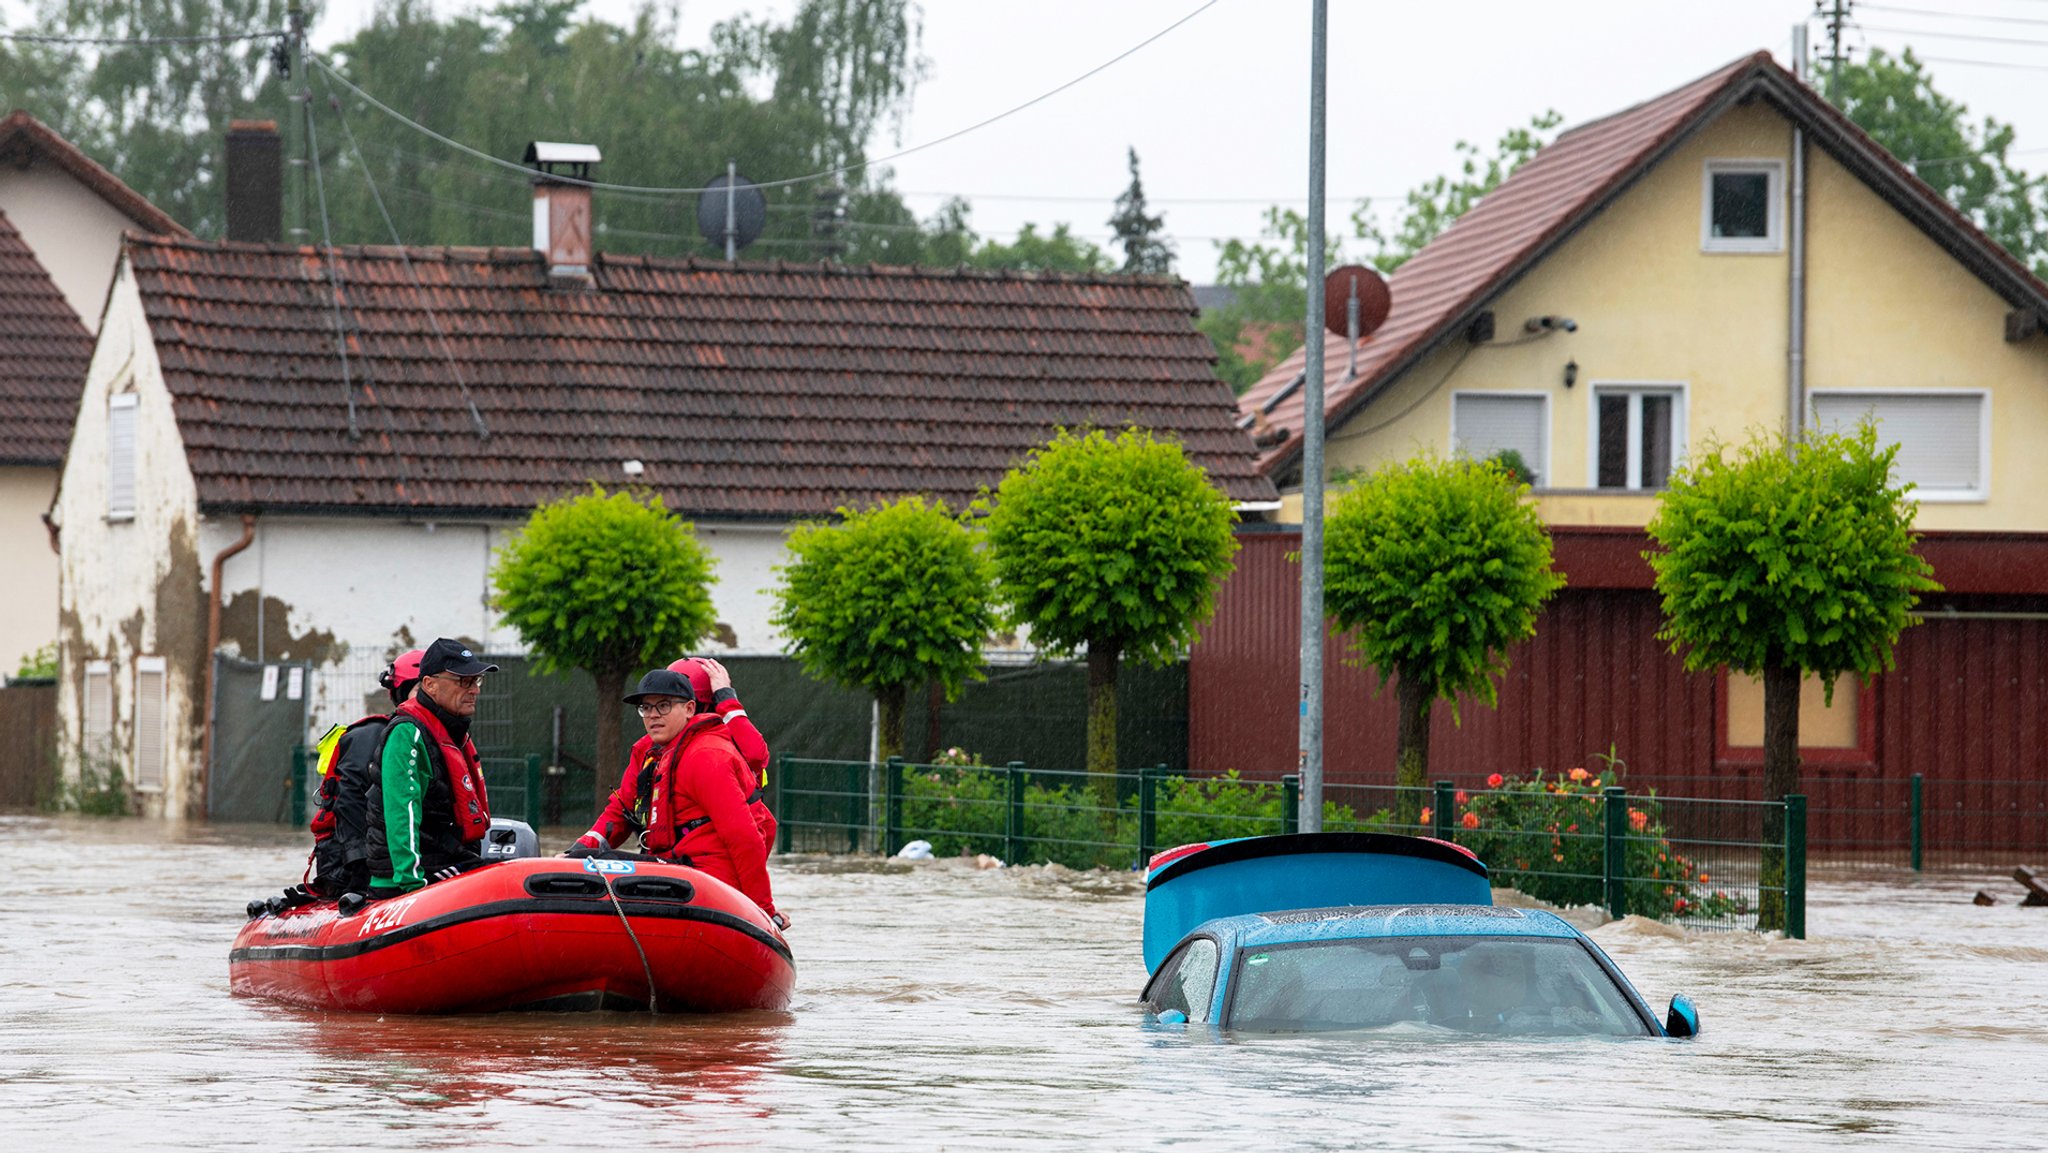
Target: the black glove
pixel 579 851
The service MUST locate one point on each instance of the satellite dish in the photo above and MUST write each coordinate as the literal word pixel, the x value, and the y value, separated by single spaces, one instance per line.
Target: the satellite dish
pixel 731 212
pixel 1370 290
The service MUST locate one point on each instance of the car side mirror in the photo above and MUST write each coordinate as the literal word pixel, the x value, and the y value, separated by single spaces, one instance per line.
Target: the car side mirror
pixel 1172 1017
pixel 1684 1018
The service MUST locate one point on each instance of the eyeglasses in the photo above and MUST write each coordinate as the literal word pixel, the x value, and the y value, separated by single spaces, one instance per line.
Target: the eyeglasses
pixel 657 709
pixel 464 682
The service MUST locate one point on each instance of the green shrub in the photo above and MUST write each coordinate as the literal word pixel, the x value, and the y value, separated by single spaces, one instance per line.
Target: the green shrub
pixel 1544 836
pixel 1193 809
pixel 97 791
pixel 40 665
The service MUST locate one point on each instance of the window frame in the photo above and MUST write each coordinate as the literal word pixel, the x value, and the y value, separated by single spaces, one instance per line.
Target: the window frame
pixel 1860 756
pixel 1773 239
pixel 1542 468
pixel 1681 408
pixel 1169 973
pixel 131 404
pixel 1977 495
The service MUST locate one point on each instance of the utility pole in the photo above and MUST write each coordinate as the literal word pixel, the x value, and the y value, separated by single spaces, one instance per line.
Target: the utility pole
pixel 299 106
pixel 1311 760
pixel 1836 14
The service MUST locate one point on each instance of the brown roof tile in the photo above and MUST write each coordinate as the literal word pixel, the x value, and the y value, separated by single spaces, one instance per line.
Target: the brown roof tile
pixel 24 139
pixel 757 390
pixel 44 351
pixel 1437 293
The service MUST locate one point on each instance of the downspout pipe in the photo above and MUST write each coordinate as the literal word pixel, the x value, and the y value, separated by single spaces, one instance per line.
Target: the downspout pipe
pixel 213 646
pixel 1795 347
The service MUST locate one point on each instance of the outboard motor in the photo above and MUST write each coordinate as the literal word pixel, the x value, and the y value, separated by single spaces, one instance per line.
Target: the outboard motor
pixel 508 840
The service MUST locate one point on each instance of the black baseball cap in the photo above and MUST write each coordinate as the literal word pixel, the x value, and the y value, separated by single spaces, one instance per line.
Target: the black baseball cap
pixel 661 683
pixel 446 656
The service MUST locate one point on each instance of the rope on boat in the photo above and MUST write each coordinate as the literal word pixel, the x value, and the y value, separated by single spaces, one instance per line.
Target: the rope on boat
pixel 633 937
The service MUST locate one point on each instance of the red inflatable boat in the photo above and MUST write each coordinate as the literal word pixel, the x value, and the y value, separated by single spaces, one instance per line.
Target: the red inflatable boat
pixel 533 933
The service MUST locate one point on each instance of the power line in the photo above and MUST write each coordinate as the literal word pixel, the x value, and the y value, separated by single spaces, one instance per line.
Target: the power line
pixel 827 174
pixel 123 41
pixel 1982 63
pixel 1954 36
pixel 1065 199
pixel 1954 15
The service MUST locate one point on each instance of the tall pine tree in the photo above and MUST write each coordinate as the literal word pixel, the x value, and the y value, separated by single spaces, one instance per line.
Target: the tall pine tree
pixel 1138 231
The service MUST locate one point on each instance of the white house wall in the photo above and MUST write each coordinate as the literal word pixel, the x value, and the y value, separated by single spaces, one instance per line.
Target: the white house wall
pixel 130 588
pixel 346 594
pixel 28 581
pixel 76 235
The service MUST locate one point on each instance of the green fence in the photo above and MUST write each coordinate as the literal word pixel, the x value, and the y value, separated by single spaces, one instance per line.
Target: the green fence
pixel 1709 864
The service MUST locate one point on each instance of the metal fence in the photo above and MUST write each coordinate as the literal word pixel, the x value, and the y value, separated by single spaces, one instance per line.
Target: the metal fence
pixel 1705 863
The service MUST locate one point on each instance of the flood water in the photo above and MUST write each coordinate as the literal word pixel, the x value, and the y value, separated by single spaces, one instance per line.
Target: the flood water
pixel 943 1007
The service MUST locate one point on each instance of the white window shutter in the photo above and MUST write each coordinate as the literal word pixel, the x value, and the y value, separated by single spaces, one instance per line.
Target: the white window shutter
pixel 1482 425
pixel 1940 435
pixel 121 413
pixel 99 709
pixel 149 722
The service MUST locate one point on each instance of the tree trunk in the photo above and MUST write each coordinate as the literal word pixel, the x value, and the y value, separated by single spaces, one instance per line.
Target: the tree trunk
pixel 891 700
pixel 1411 759
pixel 1102 660
pixel 1781 776
pixel 611 748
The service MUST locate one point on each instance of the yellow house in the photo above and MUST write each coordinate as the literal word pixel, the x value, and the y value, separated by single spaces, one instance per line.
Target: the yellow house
pixel 1734 256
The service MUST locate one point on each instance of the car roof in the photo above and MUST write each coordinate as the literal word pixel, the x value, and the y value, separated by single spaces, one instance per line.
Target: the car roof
pixel 1351 922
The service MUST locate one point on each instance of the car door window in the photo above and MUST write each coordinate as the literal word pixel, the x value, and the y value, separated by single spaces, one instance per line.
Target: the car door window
pixel 1187 981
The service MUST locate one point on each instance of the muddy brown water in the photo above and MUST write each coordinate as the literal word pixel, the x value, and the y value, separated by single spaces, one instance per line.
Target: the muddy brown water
pixel 944 1007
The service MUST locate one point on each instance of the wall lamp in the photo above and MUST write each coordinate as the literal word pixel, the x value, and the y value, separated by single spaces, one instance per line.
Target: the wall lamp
pixel 1550 324
pixel 1571 373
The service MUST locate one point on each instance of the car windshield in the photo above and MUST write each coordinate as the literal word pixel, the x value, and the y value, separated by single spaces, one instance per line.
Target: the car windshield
pixel 1543 986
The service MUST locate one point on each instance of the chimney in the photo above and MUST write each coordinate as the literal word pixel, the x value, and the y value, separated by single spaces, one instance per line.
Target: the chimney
pixel 255 181
pixel 561 210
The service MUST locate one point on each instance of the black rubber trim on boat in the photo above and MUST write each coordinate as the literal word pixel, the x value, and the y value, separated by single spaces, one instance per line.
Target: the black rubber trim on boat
pixel 515 907
pixel 1254 847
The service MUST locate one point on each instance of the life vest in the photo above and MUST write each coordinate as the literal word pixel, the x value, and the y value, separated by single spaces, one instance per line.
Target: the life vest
pixel 653 791
pixel 329 750
pixel 464 769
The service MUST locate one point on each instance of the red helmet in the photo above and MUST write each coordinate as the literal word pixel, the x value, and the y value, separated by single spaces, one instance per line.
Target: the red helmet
pixel 403 673
pixel 693 670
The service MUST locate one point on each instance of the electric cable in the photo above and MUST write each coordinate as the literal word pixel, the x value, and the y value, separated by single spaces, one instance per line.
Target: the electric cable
pixel 483 431
pixel 841 170
pixel 124 41
pixel 1953 15
pixel 1954 36
pixel 348 390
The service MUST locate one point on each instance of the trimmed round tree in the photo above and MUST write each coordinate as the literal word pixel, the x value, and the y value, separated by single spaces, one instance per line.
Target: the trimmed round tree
pixel 1437 567
pixel 1114 545
pixel 885 600
pixel 1784 561
pixel 610 583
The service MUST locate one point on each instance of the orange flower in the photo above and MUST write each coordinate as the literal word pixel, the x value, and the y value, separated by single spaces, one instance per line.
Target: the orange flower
pixel 1680 905
pixel 1425 815
pixel 1704 878
pixel 1464 798
pixel 1578 774
pixel 1593 783
pixel 1495 781
pixel 1571 828
pixel 1471 820
pixel 1639 819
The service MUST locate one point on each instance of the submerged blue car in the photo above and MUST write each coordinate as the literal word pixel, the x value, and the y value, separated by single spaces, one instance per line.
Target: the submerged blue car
pixel 1333 931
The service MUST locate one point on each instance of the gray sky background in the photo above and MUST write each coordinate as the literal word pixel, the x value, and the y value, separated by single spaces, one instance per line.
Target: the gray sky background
pixel 1217 109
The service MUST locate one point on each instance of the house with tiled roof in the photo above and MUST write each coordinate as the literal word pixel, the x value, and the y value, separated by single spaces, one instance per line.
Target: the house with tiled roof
pixel 61 220
pixel 319 451
pixel 1732 256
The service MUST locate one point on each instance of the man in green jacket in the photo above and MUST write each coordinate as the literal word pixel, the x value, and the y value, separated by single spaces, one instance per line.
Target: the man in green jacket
pixel 428 809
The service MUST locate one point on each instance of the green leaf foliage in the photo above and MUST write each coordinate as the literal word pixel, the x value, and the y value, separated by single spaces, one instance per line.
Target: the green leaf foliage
pixel 1790 559
pixel 605 582
pixel 1437 566
pixel 1114 543
pixel 893 596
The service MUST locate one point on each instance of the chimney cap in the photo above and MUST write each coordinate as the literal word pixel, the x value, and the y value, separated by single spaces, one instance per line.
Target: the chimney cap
pixel 545 154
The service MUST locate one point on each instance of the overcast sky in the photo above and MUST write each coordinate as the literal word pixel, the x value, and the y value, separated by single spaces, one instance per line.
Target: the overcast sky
pixel 1218 108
